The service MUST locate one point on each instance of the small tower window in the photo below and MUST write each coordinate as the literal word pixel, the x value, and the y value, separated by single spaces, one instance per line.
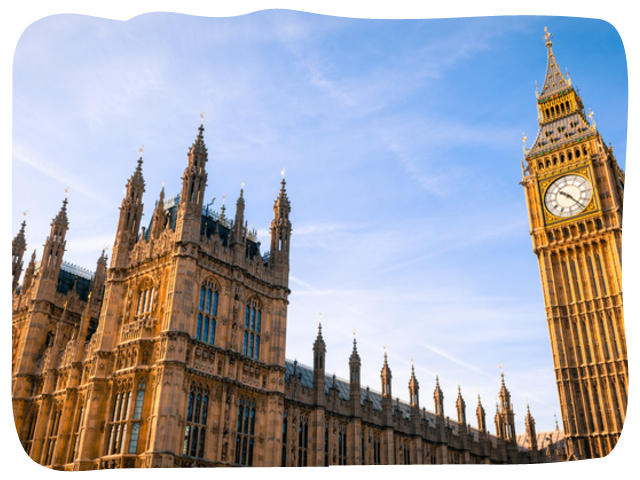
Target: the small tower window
pixel 208 312
pixel 252 330
pixel 303 431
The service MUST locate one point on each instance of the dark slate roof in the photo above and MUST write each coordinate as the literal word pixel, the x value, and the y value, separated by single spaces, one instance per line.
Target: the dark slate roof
pixel 73 277
pixel 212 224
pixel 559 132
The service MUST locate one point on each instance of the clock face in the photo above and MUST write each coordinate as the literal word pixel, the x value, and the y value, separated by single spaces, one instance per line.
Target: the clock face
pixel 568 195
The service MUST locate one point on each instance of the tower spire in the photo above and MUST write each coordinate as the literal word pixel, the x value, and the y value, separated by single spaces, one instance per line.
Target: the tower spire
pixel 481 417
pixel 130 217
pixel 438 398
pixel 18 246
pixel 461 408
pixel 194 182
pixel 414 388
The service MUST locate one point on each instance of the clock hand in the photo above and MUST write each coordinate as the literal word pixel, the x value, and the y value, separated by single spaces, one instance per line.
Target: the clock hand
pixel 571 197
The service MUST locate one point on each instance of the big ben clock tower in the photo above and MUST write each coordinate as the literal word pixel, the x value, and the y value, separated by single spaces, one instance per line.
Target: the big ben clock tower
pixel 574 190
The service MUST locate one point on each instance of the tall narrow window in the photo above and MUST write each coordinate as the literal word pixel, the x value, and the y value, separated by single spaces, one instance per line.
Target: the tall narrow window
pixel 195 429
pixel 616 351
pixel 303 430
pixel 601 274
pixel 137 416
pixel 30 431
pixel 575 280
pixel 208 313
pixel 596 405
pixel 76 431
pixel 362 450
pixel 376 449
pixel 145 302
pixel 245 434
pixel 118 427
pixel 284 440
pixel 342 445
pixel 567 282
pixel 593 277
pixel 252 329
pixel 52 436
pixel 585 341
pixel 605 343
pixel 326 444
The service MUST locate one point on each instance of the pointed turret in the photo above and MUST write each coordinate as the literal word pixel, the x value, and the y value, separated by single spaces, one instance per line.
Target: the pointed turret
pixel 238 224
pixel 99 277
pixel 158 220
pixel 27 281
pixel 530 425
pixel 18 246
pixel 194 182
pixel 55 245
pixel 481 417
pixel 506 412
pixel 414 388
pixel 461 409
pixel 354 378
pixel 438 398
pixel 354 367
pixel 319 352
pixel 385 377
pixel 281 233
pixel 129 221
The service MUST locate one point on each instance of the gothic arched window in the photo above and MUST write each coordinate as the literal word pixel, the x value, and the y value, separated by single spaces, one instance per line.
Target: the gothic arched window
pixel 137 416
pixel 196 425
pixel 207 313
pixel 252 329
pixel 245 432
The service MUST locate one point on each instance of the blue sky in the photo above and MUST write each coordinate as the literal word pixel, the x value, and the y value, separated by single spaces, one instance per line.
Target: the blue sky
pixel 402 146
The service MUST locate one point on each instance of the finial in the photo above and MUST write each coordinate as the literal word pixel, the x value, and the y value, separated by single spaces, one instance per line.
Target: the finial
pixel 566 71
pixel 547 37
pixel 202 116
pixel 241 186
pixel 24 214
pixel 282 172
pixel 556 420
pixel 66 190
pixel 537 91
pixel 593 122
pixel 141 149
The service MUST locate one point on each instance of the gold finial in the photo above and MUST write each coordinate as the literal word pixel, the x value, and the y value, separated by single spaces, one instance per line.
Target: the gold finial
pixel 319 316
pixel 282 172
pixel 537 91
pixel 547 37
pixel 66 190
pixel 566 71
pixel 163 184
pixel 224 196
pixel 593 122
pixel 141 149
pixel 242 185
pixel 201 115
pixel 24 214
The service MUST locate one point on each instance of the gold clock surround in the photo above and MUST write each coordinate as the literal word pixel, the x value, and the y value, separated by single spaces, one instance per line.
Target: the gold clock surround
pixel 591 208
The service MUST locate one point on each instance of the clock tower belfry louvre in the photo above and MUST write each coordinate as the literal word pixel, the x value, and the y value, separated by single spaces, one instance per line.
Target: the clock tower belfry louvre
pixel 574 193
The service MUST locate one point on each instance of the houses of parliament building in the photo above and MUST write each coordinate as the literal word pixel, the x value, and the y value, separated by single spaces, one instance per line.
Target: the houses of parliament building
pixel 173 355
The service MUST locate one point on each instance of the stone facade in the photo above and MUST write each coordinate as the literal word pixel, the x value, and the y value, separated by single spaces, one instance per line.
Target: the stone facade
pixel 174 356
pixel 574 191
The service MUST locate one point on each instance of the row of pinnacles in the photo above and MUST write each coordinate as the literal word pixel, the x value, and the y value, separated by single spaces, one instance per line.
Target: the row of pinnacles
pixel 451 441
